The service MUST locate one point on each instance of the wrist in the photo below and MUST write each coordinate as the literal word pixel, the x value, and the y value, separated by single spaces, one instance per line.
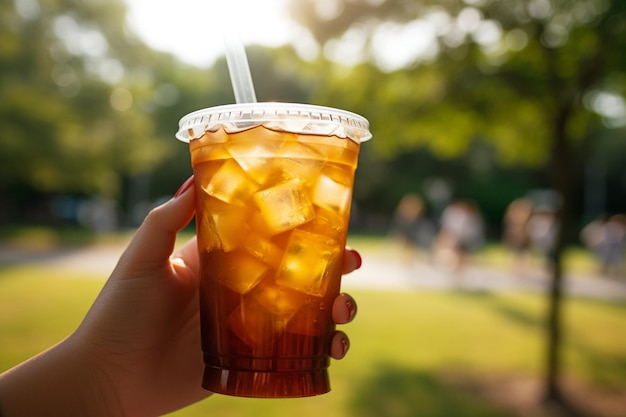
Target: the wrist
pixel 95 392
pixel 60 381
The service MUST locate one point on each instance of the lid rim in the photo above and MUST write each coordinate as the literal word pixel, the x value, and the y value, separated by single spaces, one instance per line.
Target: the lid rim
pixel 271 111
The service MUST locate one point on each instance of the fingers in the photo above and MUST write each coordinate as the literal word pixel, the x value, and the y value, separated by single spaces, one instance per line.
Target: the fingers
pixel 186 263
pixel 351 260
pixel 154 241
pixel 344 309
pixel 189 254
pixel 339 345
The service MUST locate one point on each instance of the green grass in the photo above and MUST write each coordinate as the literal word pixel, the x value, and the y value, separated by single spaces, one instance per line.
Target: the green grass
pixel 38 307
pixel 404 348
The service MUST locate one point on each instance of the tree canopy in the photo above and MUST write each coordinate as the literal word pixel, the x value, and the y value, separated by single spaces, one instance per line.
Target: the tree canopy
pixel 87 108
pixel 503 71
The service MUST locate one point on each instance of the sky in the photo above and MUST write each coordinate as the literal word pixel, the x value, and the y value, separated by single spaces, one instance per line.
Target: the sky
pixel 192 29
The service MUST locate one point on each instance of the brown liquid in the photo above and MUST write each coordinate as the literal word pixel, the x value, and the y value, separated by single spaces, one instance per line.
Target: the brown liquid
pixel 273 210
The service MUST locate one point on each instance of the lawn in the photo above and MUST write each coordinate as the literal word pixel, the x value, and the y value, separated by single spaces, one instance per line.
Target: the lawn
pixel 413 353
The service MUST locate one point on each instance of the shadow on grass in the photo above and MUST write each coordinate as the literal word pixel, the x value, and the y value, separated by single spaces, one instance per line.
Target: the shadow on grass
pixel 515 314
pixel 518 315
pixel 606 369
pixel 401 392
pixel 398 392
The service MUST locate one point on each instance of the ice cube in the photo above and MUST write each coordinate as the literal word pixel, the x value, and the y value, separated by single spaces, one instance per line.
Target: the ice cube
pixel 231 184
pixel 331 194
pixel 298 160
pixel 262 248
pixel 328 223
pixel 224 226
pixel 334 149
pixel 208 153
pixel 307 262
pixel 312 320
pixel 261 134
pixel 279 301
pixel 256 326
pixel 238 270
pixel 255 158
pixel 263 315
pixel 284 206
pixel 324 140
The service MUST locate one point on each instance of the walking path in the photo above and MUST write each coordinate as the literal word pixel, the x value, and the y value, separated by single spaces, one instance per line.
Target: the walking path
pixel 377 273
pixel 387 275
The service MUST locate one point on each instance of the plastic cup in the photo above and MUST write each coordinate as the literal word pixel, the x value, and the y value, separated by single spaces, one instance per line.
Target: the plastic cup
pixel 273 192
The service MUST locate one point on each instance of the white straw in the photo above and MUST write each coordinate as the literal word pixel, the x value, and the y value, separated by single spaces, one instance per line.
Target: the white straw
pixel 238 68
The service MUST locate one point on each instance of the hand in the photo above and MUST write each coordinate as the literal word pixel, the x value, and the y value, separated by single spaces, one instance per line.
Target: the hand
pixel 137 352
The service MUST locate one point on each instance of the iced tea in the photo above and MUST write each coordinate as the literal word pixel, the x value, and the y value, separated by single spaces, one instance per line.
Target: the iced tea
pixel 273 194
pixel 273 210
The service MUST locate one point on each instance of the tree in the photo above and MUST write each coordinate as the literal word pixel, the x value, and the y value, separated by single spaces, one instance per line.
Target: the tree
pixel 537 79
pixel 74 88
pixel 87 109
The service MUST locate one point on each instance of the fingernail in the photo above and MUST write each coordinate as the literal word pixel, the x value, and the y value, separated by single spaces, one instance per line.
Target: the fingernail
pixel 184 187
pixel 357 256
pixel 345 345
pixel 351 306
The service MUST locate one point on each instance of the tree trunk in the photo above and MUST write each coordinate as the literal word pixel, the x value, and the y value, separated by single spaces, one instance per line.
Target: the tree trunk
pixel 553 365
pixel 560 170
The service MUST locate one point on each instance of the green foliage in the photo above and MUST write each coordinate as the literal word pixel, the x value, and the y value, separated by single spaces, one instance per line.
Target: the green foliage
pixel 60 131
pixel 84 118
pixel 101 121
pixel 512 92
pixel 61 134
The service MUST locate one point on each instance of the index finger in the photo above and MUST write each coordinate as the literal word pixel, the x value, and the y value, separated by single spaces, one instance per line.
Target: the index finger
pixel 351 260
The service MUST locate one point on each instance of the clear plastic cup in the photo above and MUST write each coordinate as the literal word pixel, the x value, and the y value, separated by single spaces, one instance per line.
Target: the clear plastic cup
pixel 273 192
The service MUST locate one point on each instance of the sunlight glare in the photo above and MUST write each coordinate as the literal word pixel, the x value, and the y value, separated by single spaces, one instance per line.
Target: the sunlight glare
pixel 190 29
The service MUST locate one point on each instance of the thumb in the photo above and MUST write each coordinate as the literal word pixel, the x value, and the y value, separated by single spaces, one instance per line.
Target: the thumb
pixel 154 241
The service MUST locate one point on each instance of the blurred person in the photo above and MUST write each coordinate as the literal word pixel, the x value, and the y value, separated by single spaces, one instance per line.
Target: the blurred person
pixel 543 228
pixel 515 234
pixel 461 233
pixel 137 351
pixel 606 238
pixel 615 245
pixel 411 226
pixel 592 235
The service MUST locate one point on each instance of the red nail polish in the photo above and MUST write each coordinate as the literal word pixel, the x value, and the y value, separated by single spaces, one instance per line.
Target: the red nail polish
pixel 359 260
pixel 351 306
pixel 185 186
pixel 345 345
